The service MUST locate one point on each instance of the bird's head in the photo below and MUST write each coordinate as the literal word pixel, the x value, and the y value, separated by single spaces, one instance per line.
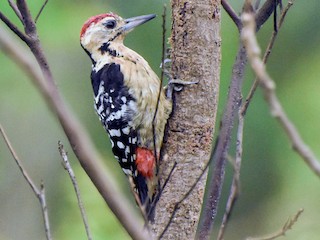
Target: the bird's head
pixel 108 28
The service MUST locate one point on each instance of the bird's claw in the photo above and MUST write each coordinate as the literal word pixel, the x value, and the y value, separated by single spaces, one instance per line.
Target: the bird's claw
pixel 177 85
pixel 173 84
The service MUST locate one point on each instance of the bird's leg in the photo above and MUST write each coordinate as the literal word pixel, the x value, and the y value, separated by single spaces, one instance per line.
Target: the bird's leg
pixel 176 85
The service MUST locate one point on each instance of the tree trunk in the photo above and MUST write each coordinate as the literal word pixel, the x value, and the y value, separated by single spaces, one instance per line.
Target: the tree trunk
pixel 195 57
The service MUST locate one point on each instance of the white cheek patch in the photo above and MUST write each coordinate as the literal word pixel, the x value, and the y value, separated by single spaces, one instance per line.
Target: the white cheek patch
pixel 86 39
pixel 97 31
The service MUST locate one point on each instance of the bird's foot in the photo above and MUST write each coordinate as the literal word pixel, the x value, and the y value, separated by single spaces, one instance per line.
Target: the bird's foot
pixel 177 85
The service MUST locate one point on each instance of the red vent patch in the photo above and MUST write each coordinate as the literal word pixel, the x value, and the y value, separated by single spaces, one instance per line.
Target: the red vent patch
pixel 145 162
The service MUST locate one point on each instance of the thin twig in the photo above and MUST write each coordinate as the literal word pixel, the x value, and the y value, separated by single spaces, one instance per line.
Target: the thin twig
pixel 161 81
pixel 45 215
pixel 40 11
pixel 161 189
pixel 14 28
pixel 29 25
pixel 281 232
pixel 268 86
pixel 35 46
pixel 232 14
pixel 15 9
pixel 153 205
pixel 234 191
pixel 40 194
pixel 235 185
pixel 264 13
pixel 265 58
pixel 219 153
pixel 67 166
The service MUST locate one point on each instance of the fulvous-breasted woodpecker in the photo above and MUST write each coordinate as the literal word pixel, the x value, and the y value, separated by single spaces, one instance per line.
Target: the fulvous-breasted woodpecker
pixel 126 92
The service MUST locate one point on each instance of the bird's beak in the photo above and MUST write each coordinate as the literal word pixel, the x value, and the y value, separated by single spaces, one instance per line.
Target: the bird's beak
pixel 136 21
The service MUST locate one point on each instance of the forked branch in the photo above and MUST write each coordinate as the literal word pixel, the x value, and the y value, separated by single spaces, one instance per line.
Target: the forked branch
pixel 281 232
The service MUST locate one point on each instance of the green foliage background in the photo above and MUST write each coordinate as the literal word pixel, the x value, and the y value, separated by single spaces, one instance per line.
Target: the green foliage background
pixel 275 182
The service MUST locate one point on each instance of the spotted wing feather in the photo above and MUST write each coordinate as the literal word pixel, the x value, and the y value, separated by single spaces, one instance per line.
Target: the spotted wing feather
pixel 116 109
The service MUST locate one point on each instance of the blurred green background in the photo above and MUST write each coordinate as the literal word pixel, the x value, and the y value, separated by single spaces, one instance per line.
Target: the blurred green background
pixel 275 182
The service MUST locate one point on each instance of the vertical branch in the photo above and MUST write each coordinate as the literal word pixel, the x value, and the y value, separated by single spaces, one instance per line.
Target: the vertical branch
pixel 34 43
pixel 15 9
pixel 161 81
pixel 219 154
pixel 150 214
pixel 218 157
pixel 195 57
pixel 72 176
pixel 40 11
pixel 265 12
pixel 235 185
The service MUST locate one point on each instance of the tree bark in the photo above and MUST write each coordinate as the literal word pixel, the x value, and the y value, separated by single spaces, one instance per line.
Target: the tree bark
pixel 195 56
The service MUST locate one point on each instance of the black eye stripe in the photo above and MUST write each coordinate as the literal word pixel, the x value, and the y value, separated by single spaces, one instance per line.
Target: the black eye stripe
pixel 110 24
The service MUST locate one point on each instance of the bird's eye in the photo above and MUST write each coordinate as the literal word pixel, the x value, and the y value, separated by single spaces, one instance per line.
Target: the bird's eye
pixel 110 24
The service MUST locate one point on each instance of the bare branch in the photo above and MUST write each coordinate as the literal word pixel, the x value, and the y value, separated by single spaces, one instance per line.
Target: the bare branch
pixel 40 11
pixel 11 47
pixel 264 13
pixel 15 9
pixel 219 153
pixel 233 15
pixel 18 162
pixel 161 81
pixel 281 232
pixel 223 141
pixel 265 57
pixel 67 166
pixel 40 194
pixel 29 25
pixel 34 43
pixel 43 203
pixel 268 86
pixel 235 186
pixel 14 28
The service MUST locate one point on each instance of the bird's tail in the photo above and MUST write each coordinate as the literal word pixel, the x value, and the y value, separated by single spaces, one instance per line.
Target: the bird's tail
pixel 143 197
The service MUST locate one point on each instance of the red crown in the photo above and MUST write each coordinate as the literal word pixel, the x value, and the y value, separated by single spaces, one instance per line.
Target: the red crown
pixel 95 19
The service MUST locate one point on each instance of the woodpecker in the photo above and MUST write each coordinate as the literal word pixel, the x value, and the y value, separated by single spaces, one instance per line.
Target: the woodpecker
pixel 126 92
